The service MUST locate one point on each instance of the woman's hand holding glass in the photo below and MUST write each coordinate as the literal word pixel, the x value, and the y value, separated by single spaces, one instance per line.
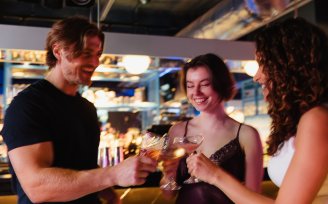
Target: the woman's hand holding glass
pixel 199 166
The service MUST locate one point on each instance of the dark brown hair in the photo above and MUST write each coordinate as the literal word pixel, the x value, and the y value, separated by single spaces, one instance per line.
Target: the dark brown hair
pixel 222 80
pixel 294 57
pixel 70 31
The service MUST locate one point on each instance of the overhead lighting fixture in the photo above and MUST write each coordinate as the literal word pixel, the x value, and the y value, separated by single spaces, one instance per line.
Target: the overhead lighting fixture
pixel 144 1
pixel 251 67
pixel 136 64
pixel 82 3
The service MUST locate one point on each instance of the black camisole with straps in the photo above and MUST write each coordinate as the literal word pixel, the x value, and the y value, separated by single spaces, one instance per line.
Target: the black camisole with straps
pixel 231 157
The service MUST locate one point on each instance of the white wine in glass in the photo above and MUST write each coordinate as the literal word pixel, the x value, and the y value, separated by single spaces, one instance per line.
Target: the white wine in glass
pixel 171 152
pixel 190 144
pixel 152 145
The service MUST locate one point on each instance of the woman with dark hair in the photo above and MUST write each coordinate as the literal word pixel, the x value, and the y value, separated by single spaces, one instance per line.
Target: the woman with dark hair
pixel 233 146
pixel 293 60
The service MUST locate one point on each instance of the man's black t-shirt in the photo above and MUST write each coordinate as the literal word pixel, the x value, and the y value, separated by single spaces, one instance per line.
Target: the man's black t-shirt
pixel 43 113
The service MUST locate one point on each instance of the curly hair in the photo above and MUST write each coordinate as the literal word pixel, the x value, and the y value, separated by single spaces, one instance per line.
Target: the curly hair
pixel 70 31
pixel 294 57
pixel 222 80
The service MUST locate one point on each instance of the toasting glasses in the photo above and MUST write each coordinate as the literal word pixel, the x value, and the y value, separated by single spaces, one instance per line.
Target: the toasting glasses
pixel 171 151
pixel 161 149
pixel 152 145
pixel 190 144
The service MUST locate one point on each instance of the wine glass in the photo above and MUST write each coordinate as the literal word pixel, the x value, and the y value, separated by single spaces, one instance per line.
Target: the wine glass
pixel 190 144
pixel 152 145
pixel 171 151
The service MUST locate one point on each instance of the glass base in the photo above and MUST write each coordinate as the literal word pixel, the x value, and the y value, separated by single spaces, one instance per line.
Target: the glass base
pixel 191 180
pixel 170 186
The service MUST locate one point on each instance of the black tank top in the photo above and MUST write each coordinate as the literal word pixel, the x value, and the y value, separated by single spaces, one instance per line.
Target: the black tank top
pixel 231 158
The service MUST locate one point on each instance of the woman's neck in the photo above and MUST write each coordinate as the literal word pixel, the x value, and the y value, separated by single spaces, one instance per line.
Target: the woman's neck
pixel 217 117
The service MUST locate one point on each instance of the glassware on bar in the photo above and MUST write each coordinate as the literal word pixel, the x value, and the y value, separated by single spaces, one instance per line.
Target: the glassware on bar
pixel 152 145
pixel 190 144
pixel 170 152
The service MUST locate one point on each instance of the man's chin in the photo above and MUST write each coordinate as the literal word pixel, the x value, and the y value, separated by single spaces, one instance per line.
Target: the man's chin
pixel 86 83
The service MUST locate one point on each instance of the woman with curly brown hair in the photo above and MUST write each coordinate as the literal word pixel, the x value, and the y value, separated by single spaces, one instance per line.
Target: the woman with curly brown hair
pixel 293 73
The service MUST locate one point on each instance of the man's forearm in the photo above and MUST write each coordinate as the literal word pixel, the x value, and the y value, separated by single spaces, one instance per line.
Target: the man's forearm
pixel 56 184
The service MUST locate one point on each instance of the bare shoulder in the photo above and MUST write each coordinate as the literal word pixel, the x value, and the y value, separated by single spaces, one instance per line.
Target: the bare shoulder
pixel 314 122
pixel 249 136
pixel 247 132
pixel 317 114
pixel 312 139
pixel 177 129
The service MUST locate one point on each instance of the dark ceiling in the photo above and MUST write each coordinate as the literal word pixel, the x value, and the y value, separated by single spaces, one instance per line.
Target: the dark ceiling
pixel 154 17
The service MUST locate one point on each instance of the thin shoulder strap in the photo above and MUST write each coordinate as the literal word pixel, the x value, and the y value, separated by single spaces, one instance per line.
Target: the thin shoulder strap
pixel 239 130
pixel 186 128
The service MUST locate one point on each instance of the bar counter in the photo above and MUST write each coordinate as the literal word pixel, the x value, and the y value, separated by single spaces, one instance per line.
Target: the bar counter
pixel 146 195
pixel 149 193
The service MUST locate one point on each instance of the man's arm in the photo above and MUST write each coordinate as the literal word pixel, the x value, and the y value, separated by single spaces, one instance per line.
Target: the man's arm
pixel 43 183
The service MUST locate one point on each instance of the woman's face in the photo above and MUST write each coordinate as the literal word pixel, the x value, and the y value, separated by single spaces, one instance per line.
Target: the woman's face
pixel 261 78
pixel 200 91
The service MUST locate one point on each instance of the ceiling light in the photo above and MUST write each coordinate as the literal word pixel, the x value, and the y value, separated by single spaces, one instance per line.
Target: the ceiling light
pixel 144 1
pixel 251 67
pixel 81 2
pixel 136 64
